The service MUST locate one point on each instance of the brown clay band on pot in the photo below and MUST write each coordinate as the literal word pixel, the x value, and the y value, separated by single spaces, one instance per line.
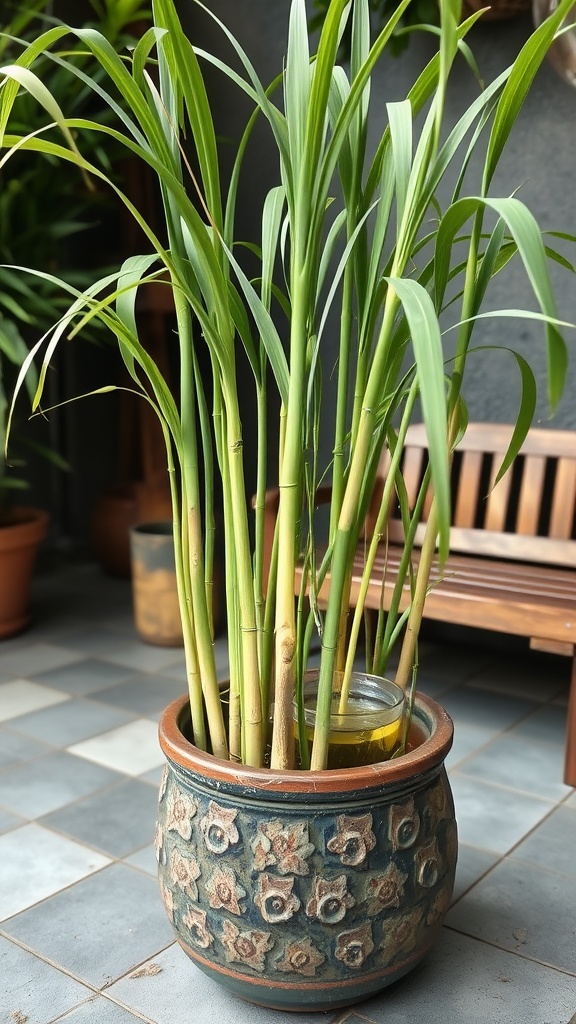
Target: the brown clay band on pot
pixel 426 756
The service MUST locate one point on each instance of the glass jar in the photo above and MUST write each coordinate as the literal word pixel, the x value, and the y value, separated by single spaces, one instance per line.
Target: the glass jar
pixel 367 730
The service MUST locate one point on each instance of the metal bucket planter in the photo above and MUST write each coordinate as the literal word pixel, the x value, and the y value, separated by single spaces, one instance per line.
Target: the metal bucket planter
pixel 307 891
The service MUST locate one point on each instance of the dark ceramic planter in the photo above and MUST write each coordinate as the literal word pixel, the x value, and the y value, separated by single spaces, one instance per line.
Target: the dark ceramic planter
pixel 307 890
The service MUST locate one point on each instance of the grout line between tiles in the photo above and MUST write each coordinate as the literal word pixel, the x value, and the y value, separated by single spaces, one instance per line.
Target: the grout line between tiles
pixel 512 952
pixel 552 801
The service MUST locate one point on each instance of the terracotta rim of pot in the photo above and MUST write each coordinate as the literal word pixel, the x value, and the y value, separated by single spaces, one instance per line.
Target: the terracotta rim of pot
pixel 430 716
pixel 24 525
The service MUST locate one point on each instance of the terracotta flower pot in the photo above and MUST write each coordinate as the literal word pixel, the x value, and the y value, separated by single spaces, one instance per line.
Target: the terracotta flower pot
pixel 307 890
pixel 19 541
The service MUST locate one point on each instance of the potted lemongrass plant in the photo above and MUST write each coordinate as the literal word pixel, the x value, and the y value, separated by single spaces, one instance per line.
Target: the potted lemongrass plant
pixel 300 886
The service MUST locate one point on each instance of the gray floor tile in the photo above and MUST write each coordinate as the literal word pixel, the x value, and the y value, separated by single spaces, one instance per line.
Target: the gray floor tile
pixel 521 907
pixel 547 725
pixel 118 821
pixel 31 989
pixel 96 640
pixel 464 981
pixel 37 863
pixel 165 995
pixel 534 676
pixel 141 657
pixel 146 695
pixel 451 664
pixel 553 844
pixel 468 739
pixel 492 818
pixel 38 787
pixel 145 859
pixel 85 676
pixel 70 722
pixel 21 696
pixel 153 777
pixel 116 920
pixel 15 748
pixel 472 864
pixel 36 657
pixel 131 749
pixel 522 764
pixel 485 710
pixel 99 1010
pixel 9 821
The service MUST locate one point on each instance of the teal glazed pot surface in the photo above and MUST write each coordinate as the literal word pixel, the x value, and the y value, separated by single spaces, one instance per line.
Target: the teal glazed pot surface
pixel 306 890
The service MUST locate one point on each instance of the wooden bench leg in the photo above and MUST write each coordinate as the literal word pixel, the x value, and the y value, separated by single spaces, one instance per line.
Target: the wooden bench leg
pixel 570 762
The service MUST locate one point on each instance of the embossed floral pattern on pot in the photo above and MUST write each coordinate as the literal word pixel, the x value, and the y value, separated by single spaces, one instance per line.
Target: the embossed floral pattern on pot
pixel 180 809
pixel 439 907
pixel 300 958
pixel 299 899
pixel 184 871
pixel 354 838
pixel 163 783
pixel 353 947
pixel 385 890
pixel 285 847
pixel 401 934
pixel 224 890
pixel 248 947
pixel 218 828
pixel 275 899
pixel 404 825
pixel 427 865
pixel 331 899
pixel 195 922
pixel 159 844
pixel 167 899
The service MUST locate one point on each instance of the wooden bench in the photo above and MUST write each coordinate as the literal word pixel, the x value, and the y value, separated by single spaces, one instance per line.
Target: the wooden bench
pixel 512 566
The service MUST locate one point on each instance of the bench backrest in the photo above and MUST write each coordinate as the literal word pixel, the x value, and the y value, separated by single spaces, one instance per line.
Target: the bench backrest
pixel 529 515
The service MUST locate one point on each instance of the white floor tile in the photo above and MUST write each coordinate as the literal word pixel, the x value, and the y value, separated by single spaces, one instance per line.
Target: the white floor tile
pixel 20 696
pixel 37 863
pixel 131 748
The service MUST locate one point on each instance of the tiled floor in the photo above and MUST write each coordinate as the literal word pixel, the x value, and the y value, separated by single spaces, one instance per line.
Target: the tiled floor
pixel 83 936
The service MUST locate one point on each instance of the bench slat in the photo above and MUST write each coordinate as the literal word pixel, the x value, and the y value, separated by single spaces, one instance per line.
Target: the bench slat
pixel 497 500
pixel 530 498
pixel 468 489
pixel 563 500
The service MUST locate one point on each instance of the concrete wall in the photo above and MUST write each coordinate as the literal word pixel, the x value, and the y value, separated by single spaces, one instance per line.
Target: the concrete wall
pixel 540 158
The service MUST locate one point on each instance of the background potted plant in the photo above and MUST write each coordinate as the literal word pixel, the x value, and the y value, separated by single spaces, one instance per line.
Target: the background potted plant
pixel 255 853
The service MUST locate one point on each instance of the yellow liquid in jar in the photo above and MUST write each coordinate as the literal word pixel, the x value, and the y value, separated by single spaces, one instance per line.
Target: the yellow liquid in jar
pixel 352 745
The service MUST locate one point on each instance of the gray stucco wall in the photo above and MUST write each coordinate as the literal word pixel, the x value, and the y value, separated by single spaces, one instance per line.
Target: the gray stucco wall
pixel 540 158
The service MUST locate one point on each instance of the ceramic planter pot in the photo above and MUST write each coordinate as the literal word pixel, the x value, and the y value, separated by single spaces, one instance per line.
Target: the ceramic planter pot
pixel 154 587
pixel 19 542
pixel 307 890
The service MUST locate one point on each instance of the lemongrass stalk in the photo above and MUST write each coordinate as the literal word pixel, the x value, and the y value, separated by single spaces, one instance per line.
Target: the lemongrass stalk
pixel 410 524
pixel 408 650
pixel 289 515
pixel 345 539
pixel 373 547
pixel 341 428
pixel 259 511
pixel 181 562
pixel 252 712
pixel 191 525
